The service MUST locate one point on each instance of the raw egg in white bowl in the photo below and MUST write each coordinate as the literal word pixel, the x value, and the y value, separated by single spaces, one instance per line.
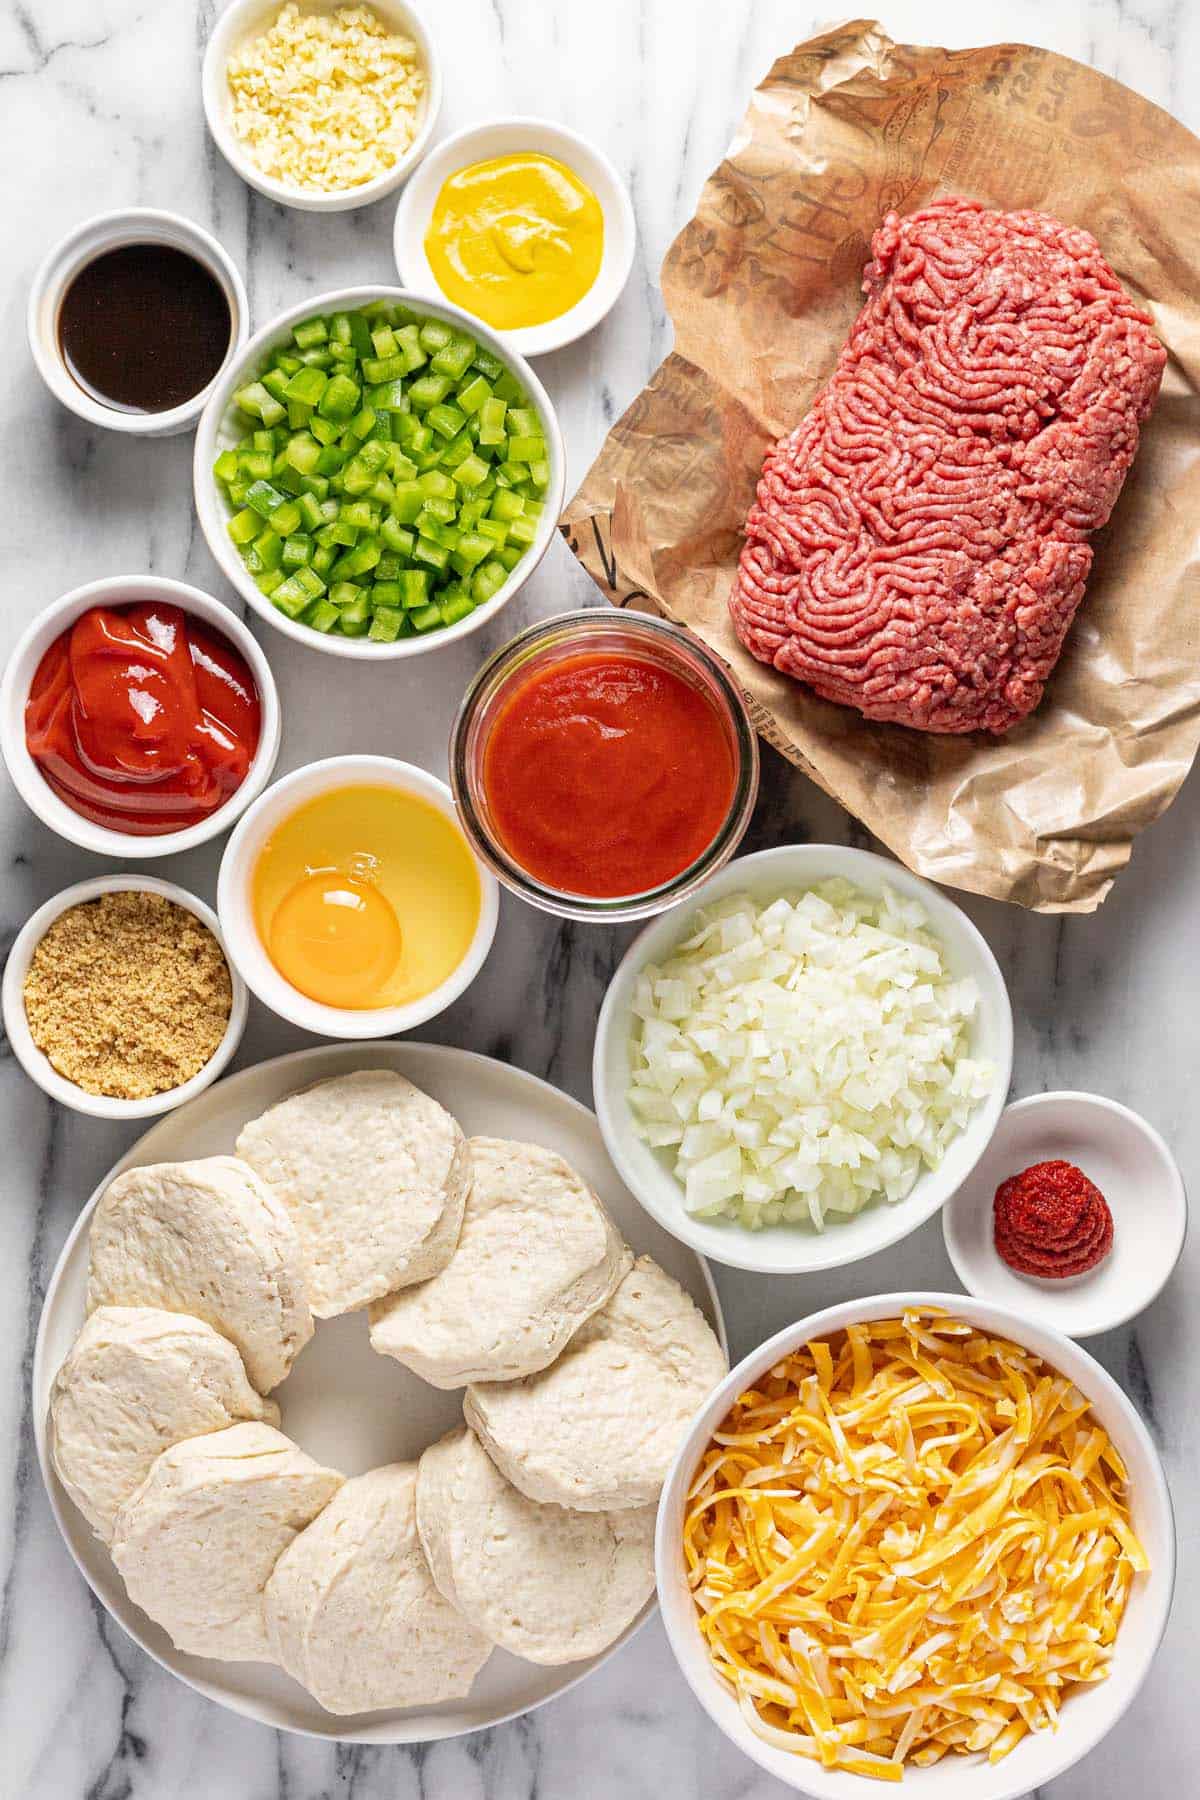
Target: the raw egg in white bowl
pixel 351 901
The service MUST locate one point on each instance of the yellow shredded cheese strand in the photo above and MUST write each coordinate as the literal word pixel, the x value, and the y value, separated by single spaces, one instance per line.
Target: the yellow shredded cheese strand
pixel 910 1539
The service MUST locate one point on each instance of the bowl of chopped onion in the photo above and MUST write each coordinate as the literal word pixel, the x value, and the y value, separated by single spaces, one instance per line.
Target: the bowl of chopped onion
pixel 916 1538
pixel 800 1065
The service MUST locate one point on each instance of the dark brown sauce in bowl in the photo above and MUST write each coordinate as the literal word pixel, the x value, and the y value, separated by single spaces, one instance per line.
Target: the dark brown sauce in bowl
pixel 144 328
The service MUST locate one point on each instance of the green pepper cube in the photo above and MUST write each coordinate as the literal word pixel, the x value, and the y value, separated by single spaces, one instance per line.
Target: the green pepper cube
pixel 445 419
pixel 488 580
pixel 269 546
pixel 470 551
pixel 407 501
pixel 425 618
pixel 269 580
pixel 323 559
pixel 340 398
pixel 539 474
pixel 244 526
pixel 435 335
pixel 291 598
pixel 383 341
pixel 307 386
pixel 360 425
pixel 386 625
pixel 398 538
pixel 455 605
pixel 434 556
pixel 389 396
pixel 470 472
pixel 326 431
pixel 488 365
pixel 264 498
pixel 455 358
pixel 344 593
pixel 414 587
pixel 507 506
pixel 526 449
pixel 286 518
pixel 303 452
pixel 296 552
pixel 472 394
pixel 492 421
pixel 385 594
pixel 275 381
pixel 309 333
pixel 226 466
pixel 427 391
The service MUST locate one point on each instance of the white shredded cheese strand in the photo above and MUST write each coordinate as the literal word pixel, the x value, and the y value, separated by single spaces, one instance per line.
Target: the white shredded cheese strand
pixel 802 1057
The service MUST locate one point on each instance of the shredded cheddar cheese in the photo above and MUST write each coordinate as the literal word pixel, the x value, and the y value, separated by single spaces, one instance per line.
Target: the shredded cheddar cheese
pixel 909 1539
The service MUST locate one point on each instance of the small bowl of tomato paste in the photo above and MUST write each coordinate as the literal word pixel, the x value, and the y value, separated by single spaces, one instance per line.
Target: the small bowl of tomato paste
pixel 138 717
pixel 604 765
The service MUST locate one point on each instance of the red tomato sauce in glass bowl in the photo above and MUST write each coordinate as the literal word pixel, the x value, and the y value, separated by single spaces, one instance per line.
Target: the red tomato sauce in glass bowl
pixel 604 764
pixel 142 718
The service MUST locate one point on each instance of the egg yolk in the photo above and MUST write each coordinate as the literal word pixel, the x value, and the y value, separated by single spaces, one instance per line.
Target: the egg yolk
pixel 336 938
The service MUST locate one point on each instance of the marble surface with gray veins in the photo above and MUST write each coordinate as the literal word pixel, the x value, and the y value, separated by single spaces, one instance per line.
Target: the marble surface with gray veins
pixel 100 108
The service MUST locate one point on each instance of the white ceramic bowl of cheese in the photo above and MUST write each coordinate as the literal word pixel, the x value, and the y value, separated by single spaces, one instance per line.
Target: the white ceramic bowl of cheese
pixel 1087 1715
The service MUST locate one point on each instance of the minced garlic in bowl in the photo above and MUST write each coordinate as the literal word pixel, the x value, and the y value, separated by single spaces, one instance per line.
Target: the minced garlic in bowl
pixel 326 102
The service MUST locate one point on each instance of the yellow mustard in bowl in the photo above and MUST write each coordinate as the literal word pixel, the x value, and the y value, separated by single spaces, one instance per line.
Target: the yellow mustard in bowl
pixel 516 240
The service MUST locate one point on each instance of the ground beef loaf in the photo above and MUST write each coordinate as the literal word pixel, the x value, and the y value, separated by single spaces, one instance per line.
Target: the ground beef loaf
pixel 918 546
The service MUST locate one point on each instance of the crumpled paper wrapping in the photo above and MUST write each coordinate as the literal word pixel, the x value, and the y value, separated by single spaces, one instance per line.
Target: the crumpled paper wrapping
pixel 763 285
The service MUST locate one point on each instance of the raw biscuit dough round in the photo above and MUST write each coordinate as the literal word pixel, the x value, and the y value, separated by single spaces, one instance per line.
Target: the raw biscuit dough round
pixel 536 1257
pixel 375 1175
pixel 207 1238
pixel 547 1584
pixel 135 1381
pixel 352 1611
pixel 197 1542
pixel 599 1428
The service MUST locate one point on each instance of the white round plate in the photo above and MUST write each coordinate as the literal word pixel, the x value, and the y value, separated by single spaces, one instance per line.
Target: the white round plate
pixel 343 1404
pixel 1134 1170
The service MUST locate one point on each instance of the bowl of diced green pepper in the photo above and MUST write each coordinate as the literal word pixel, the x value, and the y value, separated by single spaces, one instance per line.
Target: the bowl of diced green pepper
pixel 378 474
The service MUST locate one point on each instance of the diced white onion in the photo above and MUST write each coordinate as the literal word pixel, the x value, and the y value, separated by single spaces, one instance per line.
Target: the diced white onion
pixel 802 1057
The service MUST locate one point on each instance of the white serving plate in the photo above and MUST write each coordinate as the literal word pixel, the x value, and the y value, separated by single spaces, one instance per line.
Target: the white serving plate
pixel 344 1404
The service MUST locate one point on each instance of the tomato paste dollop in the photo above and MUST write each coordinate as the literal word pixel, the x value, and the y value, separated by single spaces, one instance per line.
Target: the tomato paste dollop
pixel 142 719
pixel 607 774
pixel 1050 1220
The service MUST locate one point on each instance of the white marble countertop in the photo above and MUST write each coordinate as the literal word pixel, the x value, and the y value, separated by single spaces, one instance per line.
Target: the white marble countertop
pixel 99 108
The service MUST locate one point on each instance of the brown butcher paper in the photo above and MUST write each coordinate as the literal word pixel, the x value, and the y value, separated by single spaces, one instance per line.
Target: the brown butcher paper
pixel 763 286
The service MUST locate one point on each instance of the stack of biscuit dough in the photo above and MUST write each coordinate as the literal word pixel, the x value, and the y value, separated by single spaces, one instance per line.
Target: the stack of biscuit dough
pixel 486 1265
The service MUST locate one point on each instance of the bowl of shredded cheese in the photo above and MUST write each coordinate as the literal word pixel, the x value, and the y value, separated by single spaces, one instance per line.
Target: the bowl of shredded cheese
pixel 918 1539
pixel 318 104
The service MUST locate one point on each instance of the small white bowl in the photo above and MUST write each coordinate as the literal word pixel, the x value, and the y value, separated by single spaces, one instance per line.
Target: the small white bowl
pixel 219 430
pixel 506 137
pixel 235 901
pixel 796 1249
pixel 38 1066
pixel 244 19
pixel 28 779
pixel 1134 1170
pixel 110 231
pixel 249 18
pixel 1088 1714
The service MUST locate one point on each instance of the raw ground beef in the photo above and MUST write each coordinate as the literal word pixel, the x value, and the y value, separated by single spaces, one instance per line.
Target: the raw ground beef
pixel 918 546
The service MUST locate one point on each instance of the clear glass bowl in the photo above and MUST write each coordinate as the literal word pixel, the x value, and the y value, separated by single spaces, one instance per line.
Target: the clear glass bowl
pixel 598 628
